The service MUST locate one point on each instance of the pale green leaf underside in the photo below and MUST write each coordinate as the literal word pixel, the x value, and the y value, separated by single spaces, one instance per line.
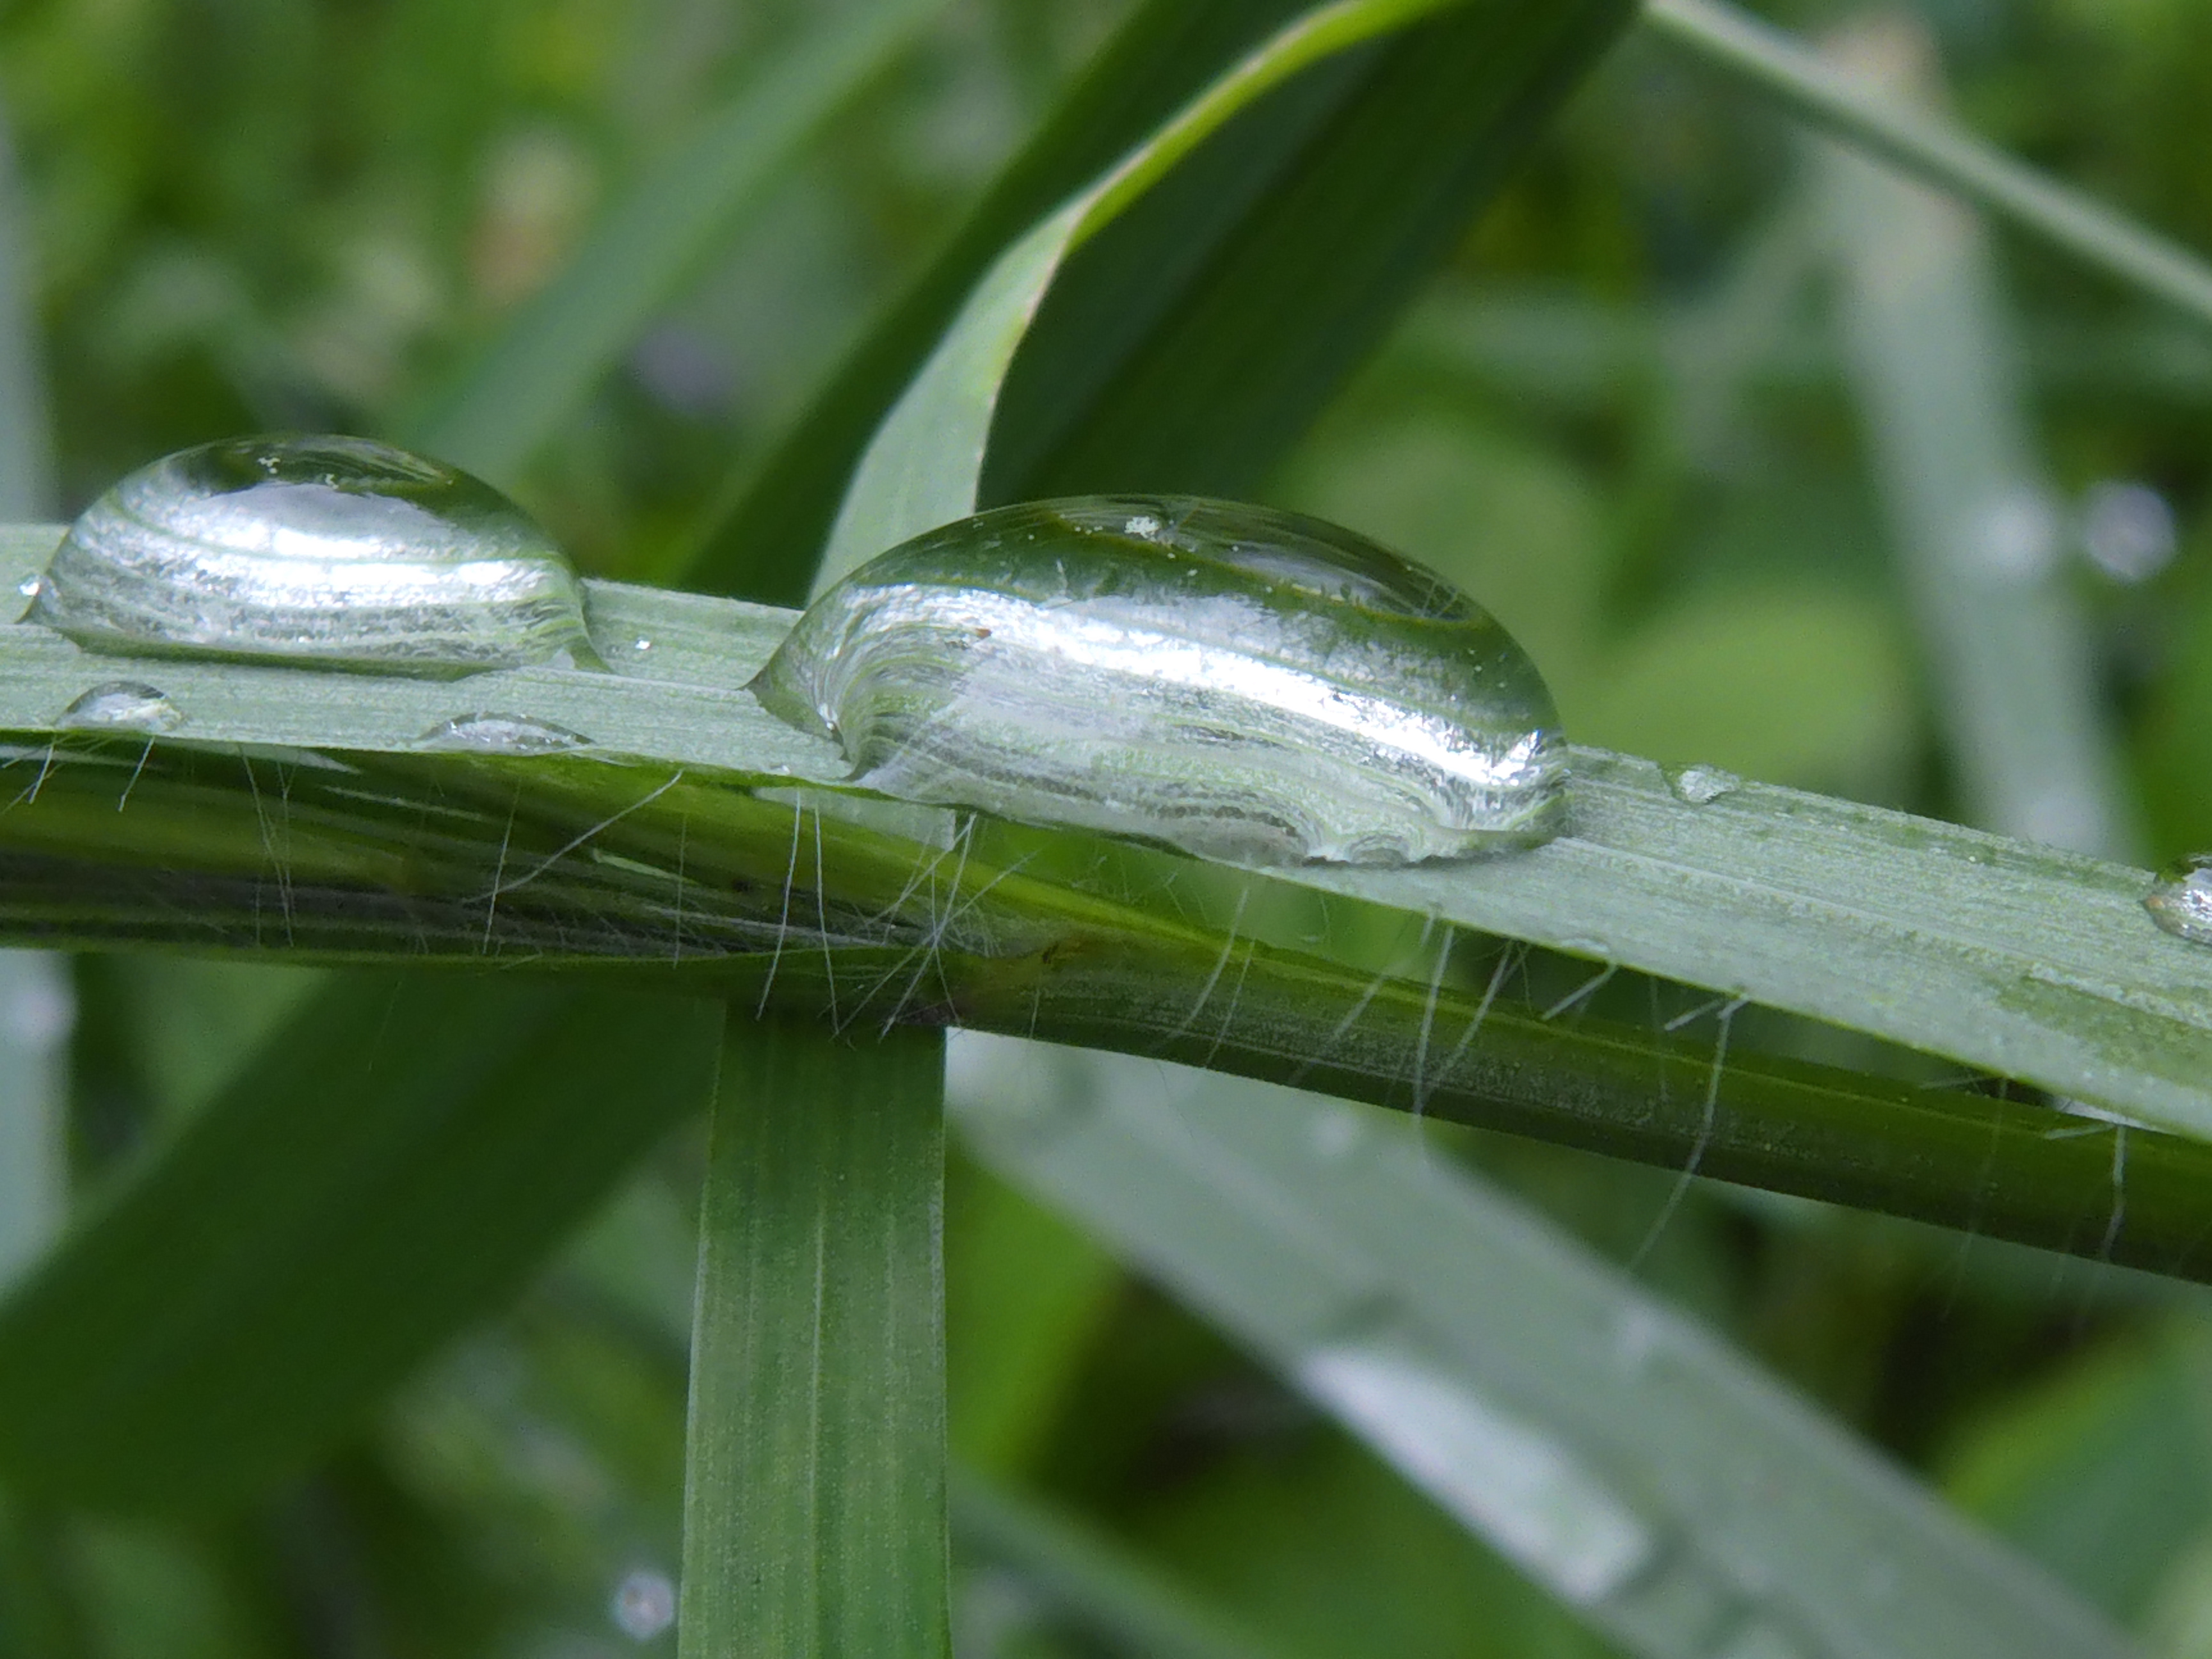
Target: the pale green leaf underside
pixel 2013 958
pixel 1622 1458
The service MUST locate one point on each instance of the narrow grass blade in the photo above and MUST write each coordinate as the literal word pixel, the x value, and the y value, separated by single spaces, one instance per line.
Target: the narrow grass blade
pixel 1654 1481
pixel 395 1165
pixel 814 1501
pixel 1770 64
pixel 1089 1580
pixel 1978 528
pixel 545 360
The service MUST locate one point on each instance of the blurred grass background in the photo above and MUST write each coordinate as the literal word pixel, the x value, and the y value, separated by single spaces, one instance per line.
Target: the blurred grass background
pixel 1626 416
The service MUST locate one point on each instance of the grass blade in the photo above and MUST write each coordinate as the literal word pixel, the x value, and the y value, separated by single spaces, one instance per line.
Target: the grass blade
pixel 545 360
pixel 394 1165
pixel 1977 528
pixel 1343 171
pixel 814 1502
pixel 1091 1580
pixel 1770 64
pixel 1590 1434
pixel 924 466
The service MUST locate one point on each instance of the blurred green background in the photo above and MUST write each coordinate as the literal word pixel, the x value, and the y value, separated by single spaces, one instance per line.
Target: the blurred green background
pixel 1633 415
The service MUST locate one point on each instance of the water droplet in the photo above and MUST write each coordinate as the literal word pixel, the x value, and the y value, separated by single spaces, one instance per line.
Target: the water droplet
pixel 641 643
pixel 337 552
pixel 500 734
pixel 644 1604
pixel 2127 530
pixel 28 587
pixel 1237 683
pixel 123 706
pixel 2181 900
pixel 1698 784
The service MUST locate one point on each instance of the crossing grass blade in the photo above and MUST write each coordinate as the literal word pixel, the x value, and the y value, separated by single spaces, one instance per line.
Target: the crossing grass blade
pixel 396 1163
pixel 544 361
pixel 1590 1434
pixel 1770 64
pixel 815 1501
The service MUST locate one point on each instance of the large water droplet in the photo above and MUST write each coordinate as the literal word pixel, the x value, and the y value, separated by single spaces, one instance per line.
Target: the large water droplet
pixel 1238 683
pixel 336 552
pixel 2181 900
pixel 123 706
pixel 500 734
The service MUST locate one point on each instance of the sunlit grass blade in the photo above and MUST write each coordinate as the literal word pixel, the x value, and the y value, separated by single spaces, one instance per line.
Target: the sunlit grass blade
pixel 815 1502
pixel 545 360
pixel 394 1164
pixel 1768 62
pixel 1089 1580
pixel 1977 529
pixel 1593 1437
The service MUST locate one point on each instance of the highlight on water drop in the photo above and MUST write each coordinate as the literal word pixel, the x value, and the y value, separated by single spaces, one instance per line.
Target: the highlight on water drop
pixel 1701 786
pixel 324 552
pixel 121 706
pixel 2181 900
pixel 1236 681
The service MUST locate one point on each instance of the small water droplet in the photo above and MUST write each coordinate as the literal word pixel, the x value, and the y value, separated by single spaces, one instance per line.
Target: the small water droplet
pixel 1698 784
pixel 123 706
pixel 28 587
pixel 2127 530
pixel 643 1605
pixel 2181 900
pixel 1235 682
pixel 500 734
pixel 641 643
pixel 330 552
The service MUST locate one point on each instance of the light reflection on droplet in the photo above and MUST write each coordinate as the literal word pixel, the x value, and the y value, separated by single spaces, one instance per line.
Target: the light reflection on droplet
pixel 2016 536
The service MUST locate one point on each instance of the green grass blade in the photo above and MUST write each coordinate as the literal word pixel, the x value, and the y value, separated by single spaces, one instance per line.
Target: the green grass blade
pixel 1089 1579
pixel 546 359
pixel 814 1502
pixel 1976 527
pixel 925 465
pixel 1315 180
pixel 395 1165
pixel 2027 961
pixel 1589 1434
pixel 765 539
pixel 1770 64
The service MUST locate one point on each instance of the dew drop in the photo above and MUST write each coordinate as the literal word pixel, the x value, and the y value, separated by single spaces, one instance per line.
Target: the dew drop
pixel 123 706
pixel 1698 784
pixel 643 1604
pixel 2181 900
pixel 329 551
pixel 500 734
pixel 640 645
pixel 28 587
pixel 1238 683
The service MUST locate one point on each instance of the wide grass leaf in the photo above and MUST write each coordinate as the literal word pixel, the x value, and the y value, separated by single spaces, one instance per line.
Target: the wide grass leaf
pixel 396 1163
